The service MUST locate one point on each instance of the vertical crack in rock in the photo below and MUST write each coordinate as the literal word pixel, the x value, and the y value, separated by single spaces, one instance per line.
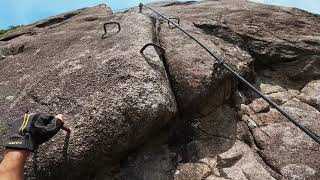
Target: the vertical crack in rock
pixel 157 40
pixel 178 125
pixel 266 162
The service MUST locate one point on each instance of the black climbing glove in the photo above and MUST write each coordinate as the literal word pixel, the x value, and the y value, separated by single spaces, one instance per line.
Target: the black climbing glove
pixel 31 130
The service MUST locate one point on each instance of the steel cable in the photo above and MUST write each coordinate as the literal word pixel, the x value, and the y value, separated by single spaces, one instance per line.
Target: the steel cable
pixel 311 134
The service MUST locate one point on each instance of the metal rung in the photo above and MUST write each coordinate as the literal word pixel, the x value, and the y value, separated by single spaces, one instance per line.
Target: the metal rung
pixel 109 23
pixel 154 45
pixel 102 5
pixel 172 27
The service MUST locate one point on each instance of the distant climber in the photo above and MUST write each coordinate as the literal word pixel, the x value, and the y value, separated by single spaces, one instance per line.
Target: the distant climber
pixel 27 133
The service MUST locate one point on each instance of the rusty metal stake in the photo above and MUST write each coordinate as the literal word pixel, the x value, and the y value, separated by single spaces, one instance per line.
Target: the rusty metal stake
pixel 102 5
pixel 109 23
pixel 154 45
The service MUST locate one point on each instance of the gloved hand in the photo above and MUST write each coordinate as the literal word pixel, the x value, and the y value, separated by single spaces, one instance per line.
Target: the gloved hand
pixel 31 130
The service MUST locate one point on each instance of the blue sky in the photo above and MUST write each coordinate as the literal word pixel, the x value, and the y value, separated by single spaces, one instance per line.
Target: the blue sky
pixel 14 12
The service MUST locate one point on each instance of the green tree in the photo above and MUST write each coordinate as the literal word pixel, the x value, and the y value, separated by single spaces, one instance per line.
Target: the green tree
pixel 10 28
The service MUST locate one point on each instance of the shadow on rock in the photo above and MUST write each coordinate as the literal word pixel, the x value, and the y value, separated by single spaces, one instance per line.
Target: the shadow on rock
pixel 64 154
pixel 215 133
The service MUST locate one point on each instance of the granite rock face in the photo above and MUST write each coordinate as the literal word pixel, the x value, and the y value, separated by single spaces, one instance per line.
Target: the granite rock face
pixel 174 114
pixel 113 96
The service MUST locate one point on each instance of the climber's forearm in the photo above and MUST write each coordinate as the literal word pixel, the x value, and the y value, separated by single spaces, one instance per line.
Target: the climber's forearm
pixel 27 136
pixel 12 165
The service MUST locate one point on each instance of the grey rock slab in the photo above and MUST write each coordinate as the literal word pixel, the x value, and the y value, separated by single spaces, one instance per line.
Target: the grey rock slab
pixel 218 153
pixel 210 140
pixel 239 162
pixel 259 105
pixel 195 171
pixel 231 29
pixel 113 96
pixel 198 79
pixel 285 148
pixel 154 162
pixel 264 28
pixel 310 94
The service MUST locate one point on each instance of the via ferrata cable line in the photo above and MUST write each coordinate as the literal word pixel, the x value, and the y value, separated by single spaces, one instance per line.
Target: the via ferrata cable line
pixel 311 134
